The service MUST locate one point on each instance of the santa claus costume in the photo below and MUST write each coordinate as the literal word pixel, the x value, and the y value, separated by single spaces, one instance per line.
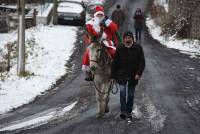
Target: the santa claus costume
pixel 109 37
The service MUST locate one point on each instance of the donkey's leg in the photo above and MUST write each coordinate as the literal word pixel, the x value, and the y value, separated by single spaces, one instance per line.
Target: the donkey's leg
pixel 99 100
pixel 100 112
pixel 105 103
pixel 105 99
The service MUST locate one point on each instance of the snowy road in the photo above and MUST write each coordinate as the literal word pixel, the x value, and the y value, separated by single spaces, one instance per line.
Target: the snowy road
pixel 167 98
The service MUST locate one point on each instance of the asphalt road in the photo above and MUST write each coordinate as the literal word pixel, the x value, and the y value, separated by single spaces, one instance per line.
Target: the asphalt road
pixel 167 98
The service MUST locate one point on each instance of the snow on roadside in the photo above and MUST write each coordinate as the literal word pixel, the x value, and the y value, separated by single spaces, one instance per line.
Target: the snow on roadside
pixel 191 47
pixel 39 119
pixel 53 47
pixel 7 37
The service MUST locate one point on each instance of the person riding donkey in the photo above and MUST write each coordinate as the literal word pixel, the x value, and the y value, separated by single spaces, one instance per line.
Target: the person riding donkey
pixel 100 29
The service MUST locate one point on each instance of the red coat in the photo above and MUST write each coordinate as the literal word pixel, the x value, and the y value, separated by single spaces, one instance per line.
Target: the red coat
pixel 109 31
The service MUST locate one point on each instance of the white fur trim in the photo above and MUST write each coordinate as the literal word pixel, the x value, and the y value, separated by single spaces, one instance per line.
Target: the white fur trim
pixel 96 25
pixel 96 28
pixel 98 12
pixel 112 44
pixel 105 42
pixel 108 22
pixel 104 36
pixel 85 68
pixel 90 22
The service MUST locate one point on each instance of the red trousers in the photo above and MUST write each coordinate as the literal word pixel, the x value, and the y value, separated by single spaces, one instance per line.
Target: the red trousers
pixel 86 58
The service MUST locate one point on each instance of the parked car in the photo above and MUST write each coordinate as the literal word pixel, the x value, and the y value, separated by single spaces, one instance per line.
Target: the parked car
pixel 71 12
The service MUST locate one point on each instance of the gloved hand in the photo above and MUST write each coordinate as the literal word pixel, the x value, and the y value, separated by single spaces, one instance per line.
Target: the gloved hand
pixel 103 23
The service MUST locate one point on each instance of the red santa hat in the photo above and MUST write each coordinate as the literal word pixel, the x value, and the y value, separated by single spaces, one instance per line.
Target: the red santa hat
pixel 99 10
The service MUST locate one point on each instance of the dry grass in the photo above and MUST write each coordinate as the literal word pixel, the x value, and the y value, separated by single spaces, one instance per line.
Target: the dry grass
pixel 163 19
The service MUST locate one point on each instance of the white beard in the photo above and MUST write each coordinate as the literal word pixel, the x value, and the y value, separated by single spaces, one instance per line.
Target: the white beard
pixel 97 28
pixel 96 24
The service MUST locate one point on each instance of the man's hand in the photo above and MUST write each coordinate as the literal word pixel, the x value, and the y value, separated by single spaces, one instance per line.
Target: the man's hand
pixel 137 77
pixel 103 23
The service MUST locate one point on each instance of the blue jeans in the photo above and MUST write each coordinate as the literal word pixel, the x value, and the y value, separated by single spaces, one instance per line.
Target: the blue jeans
pixel 127 97
pixel 138 34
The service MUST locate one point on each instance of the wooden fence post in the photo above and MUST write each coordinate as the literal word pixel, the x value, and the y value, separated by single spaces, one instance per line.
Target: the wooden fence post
pixel 8 56
pixel 34 17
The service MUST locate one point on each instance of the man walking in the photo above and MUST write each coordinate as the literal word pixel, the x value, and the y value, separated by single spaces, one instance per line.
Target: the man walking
pixel 127 68
pixel 139 18
pixel 118 16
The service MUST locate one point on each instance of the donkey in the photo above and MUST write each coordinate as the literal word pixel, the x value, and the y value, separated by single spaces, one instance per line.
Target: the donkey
pixel 100 65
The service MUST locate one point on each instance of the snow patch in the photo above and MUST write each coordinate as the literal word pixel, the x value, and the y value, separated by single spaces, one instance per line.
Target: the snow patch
pixel 191 47
pixel 39 119
pixel 53 47
pixel 156 118
pixel 198 79
pixel 136 112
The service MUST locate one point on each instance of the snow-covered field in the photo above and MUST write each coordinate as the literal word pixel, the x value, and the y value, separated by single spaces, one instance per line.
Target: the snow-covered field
pixel 191 47
pixel 49 47
pixel 52 47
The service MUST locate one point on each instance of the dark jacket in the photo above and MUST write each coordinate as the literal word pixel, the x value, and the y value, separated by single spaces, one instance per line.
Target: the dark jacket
pixel 127 63
pixel 118 17
pixel 139 19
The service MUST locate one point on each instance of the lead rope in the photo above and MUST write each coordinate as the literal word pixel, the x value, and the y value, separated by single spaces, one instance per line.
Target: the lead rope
pixel 115 92
pixel 110 87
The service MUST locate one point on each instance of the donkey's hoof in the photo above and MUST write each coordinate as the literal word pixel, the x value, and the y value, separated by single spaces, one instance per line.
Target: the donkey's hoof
pixel 99 115
pixel 107 110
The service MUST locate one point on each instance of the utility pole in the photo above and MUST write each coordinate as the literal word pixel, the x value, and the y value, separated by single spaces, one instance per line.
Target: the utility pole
pixel 21 38
pixel 55 13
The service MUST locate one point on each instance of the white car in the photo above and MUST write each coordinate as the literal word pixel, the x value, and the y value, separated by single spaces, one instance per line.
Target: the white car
pixel 71 12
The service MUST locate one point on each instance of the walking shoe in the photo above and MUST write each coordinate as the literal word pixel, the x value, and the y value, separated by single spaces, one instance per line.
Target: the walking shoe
pixel 107 110
pixel 89 76
pixel 129 117
pixel 122 116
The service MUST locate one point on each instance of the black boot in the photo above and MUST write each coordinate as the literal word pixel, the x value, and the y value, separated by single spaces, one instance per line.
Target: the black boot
pixel 122 116
pixel 89 76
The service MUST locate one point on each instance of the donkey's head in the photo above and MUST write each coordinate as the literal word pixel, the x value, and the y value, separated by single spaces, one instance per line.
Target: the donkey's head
pixel 94 55
pixel 98 56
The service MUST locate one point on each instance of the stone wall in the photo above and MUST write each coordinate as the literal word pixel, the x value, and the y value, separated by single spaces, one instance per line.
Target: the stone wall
pixel 186 9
